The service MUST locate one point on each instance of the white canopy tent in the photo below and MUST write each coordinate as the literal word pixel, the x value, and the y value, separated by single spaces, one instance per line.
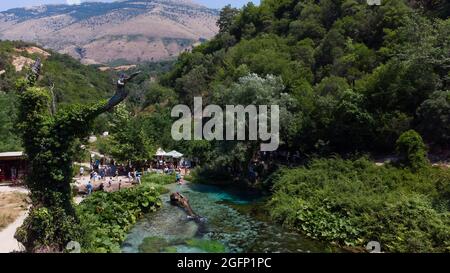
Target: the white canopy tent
pixel 160 152
pixel 174 154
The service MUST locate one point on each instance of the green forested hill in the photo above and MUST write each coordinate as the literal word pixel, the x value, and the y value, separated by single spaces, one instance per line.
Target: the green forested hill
pixel 361 75
pixel 349 78
pixel 72 82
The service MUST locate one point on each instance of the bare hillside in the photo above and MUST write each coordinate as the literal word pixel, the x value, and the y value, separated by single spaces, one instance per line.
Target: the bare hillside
pixel 106 32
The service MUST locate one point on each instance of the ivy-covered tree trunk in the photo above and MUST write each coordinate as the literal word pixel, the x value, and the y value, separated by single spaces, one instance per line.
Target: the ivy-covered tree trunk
pixel 49 140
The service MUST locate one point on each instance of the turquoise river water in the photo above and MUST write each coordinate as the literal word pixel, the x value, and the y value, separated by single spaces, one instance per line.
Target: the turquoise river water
pixel 233 222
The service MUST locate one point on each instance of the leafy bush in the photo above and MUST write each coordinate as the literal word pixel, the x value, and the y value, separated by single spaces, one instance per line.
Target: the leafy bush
pixel 107 217
pixel 354 202
pixel 46 229
pixel 412 150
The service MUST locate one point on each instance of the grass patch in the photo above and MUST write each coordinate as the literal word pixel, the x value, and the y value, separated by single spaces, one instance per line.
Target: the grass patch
pixel 207 245
pixel 153 245
pixel 158 245
pixel 170 249
pixel 158 179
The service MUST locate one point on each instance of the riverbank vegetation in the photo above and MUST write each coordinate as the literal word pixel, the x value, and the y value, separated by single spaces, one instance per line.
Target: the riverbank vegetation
pixel 107 217
pixel 403 205
pixel 352 202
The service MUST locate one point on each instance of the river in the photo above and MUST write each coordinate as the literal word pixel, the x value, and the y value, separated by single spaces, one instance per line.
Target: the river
pixel 234 223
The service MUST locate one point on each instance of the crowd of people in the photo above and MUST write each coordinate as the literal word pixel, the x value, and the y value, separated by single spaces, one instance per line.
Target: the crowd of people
pixel 109 174
pixel 171 167
pixel 14 176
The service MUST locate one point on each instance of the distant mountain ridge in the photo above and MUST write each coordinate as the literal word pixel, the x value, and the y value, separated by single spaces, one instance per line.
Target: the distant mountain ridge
pixel 130 30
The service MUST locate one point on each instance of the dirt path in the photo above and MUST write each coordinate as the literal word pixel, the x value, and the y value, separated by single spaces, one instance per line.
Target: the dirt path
pixel 13 189
pixel 7 242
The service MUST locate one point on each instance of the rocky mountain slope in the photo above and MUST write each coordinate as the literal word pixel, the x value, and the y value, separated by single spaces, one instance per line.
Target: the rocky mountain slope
pixel 110 32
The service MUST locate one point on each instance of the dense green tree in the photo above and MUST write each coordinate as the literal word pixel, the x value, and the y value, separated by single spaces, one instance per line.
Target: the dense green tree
pixel 49 139
pixel 226 18
pixel 434 118
pixel 309 24
pixel 439 8
pixel 252 90
pixel 357 61
pixel 412 150
pixel 129 142
pixel 353 125
pixel 268 54
pixel 9 140
pixel 157 94
pixel 303 52
pixel 246 22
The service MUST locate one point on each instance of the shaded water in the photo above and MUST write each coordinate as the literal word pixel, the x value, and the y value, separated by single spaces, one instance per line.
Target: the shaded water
pixel 234 223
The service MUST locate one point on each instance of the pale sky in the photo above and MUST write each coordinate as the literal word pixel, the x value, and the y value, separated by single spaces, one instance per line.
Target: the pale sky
pixel 8 4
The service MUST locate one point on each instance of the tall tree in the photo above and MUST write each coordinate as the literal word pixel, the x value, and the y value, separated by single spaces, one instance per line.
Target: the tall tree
pixel 227 15
pixel 48 140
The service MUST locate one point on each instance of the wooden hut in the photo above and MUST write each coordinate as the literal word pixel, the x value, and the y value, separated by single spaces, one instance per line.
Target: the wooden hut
pixel 13 166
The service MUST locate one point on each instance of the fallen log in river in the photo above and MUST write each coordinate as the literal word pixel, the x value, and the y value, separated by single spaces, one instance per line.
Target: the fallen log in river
pixel 179 200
